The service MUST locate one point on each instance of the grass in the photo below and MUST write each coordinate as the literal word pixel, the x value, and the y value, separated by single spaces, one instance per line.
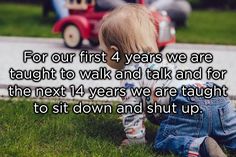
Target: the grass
pixel 210 27
pixel 25 20
pixel 23 133
pixel 204 26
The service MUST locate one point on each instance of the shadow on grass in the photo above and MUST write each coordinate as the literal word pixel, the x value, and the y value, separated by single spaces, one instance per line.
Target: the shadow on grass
pixel 108 127
pixel 105 127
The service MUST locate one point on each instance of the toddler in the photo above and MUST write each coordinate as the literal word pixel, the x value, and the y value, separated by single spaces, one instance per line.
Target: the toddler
pixel 130 29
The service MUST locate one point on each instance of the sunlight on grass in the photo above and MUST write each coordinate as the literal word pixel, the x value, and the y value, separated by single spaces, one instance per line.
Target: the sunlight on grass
pixel 25 20
pixel 213 27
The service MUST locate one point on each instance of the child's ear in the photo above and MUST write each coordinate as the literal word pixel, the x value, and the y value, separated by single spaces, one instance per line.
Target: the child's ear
pixel 121 63
pixel 114 48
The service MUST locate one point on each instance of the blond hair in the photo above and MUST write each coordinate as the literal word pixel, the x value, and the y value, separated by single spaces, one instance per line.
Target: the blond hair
pixel 131 29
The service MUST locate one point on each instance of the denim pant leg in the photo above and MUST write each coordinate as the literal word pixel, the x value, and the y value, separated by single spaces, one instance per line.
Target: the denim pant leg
pixel 183 146
pixel 180 134
pixel 224 126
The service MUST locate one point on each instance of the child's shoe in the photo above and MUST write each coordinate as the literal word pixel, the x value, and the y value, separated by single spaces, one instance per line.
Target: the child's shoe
pixel 210 148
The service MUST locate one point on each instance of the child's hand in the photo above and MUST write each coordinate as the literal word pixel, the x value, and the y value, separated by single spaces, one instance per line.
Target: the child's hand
pixel 127 142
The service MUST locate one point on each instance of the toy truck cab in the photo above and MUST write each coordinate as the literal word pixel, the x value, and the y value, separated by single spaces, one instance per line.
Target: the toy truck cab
pixel 84 23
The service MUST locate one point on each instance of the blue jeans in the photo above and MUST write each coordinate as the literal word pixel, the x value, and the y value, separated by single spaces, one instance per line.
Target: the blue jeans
pixel 60 9
pixel 182 134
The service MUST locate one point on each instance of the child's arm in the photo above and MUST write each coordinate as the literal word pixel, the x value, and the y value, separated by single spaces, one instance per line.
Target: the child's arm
pixel 133 123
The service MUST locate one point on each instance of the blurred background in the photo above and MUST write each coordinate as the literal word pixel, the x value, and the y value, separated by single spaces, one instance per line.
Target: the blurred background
pixel 207 21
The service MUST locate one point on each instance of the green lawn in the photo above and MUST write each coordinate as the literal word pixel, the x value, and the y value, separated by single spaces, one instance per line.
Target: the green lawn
pixel 26 134
pixel 211 27
pixel 23 133
pixel 208 26
pixel 25 20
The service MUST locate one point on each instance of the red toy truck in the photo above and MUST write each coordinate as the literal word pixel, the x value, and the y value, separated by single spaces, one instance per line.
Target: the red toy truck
pixel 83 23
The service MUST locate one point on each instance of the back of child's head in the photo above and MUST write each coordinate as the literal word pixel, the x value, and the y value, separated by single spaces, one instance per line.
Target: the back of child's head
pixel 131 29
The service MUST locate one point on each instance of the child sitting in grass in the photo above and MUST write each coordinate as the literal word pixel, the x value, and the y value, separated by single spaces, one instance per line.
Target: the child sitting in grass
pixel 130 29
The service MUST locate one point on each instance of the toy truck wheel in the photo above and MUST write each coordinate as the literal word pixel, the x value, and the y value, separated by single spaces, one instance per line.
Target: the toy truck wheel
pixel 72 36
